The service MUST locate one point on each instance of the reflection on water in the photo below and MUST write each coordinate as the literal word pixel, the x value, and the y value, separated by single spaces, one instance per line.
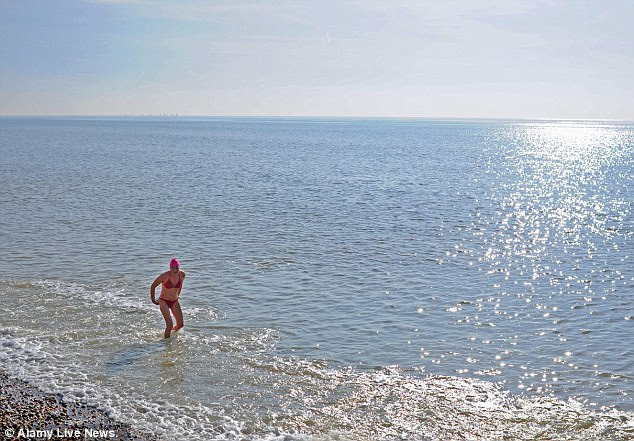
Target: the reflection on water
pixel 553 236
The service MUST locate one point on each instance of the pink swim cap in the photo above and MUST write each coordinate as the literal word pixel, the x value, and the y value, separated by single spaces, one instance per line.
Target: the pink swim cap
pixel 174 262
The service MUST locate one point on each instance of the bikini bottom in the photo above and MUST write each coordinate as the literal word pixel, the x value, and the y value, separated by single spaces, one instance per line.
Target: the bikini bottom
pixel 170 303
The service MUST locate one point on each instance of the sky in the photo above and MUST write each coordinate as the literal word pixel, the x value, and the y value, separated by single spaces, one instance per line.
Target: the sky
pixel 365 58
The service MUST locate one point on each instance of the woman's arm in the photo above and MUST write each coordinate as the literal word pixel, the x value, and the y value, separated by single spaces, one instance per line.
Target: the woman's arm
pixel 160 279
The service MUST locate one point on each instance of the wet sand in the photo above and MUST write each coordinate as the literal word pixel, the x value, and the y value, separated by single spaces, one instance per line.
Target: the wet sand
pixel 28 413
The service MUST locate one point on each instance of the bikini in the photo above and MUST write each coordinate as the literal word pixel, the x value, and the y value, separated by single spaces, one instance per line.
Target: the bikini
pixel 169 285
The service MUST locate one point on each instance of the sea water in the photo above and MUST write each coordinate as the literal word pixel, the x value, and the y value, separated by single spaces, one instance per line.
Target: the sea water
pixel 346 279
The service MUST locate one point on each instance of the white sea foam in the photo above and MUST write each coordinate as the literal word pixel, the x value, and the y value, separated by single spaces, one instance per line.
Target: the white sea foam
pixel 113 296
pixel 29 359
pixel 315 402
pixel 227 383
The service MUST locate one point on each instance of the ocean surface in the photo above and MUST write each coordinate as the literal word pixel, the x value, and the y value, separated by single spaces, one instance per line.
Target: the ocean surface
pixel 347 279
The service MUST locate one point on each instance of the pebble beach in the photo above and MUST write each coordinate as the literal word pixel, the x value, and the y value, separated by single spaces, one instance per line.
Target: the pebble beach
pixel 28 413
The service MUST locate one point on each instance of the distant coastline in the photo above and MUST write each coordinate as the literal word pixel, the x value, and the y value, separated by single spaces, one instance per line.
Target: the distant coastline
pixel 318 118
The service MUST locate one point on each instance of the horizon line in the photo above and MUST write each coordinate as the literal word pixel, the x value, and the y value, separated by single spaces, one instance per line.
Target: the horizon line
pixel 355 117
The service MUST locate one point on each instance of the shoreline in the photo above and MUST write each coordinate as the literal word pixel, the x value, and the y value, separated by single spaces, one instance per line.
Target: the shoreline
pixel 28 413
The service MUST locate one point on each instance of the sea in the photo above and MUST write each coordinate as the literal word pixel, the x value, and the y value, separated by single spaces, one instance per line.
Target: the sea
pixel 346 278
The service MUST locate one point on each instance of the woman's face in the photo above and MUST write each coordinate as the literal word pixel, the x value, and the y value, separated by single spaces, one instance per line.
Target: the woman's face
pixel 174 269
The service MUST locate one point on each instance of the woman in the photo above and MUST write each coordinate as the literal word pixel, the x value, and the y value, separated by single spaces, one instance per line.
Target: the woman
pixel 172 281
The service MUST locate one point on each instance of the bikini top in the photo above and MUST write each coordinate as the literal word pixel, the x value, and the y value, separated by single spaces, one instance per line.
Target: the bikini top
pixel 169 285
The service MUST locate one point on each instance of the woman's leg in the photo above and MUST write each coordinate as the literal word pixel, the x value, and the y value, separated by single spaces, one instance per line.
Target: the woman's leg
pixel 178 315
pixel 168 318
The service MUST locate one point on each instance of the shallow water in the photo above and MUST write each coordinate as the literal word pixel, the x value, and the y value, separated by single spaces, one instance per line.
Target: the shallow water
pixel 346 279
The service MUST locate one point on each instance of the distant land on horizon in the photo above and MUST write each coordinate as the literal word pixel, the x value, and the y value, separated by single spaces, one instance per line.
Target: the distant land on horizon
pixel 309 117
